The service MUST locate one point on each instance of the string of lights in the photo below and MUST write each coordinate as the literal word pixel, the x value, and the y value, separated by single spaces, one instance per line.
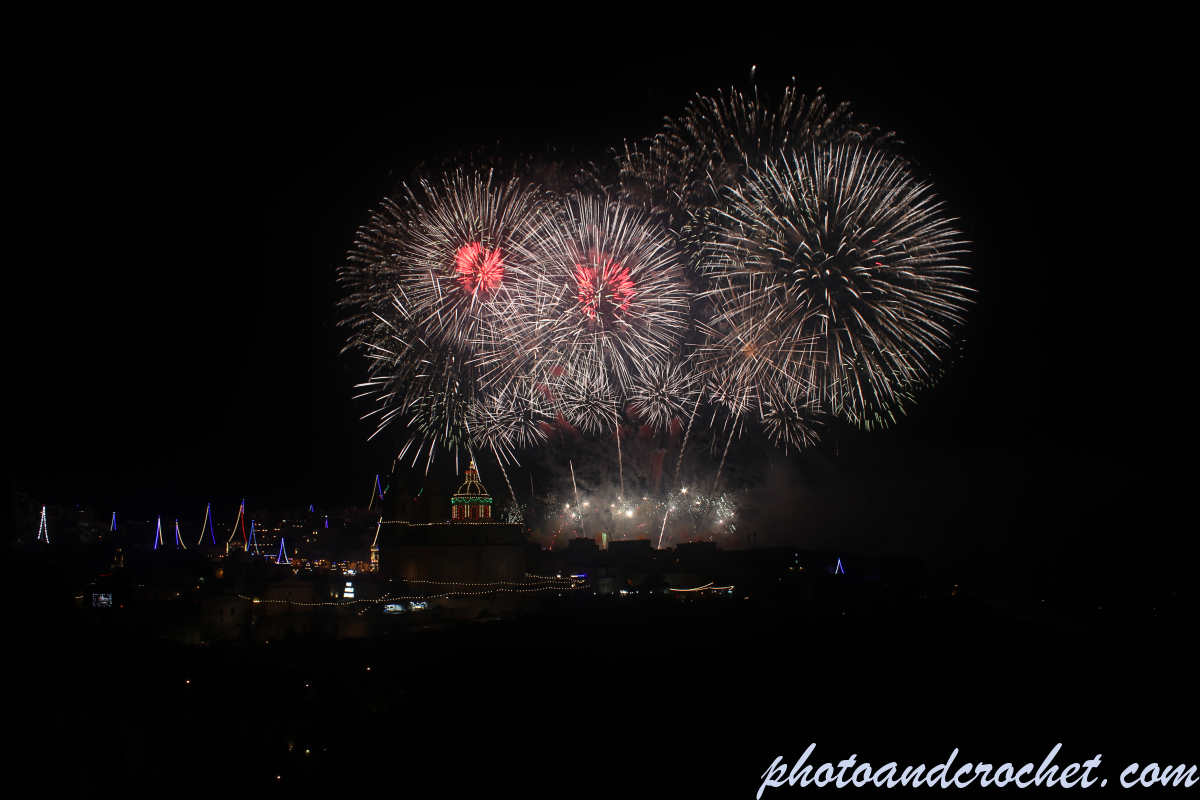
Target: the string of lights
pixel 546 577
pixel 456 523
pixel 708 587
pixel 492 583
pixel 392 598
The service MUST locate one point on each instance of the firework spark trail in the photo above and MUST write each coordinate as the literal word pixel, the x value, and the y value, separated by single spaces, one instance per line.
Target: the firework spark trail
pixel 372 273
pixel 620 462
pixel 682 447
pixel 504 472
pixel 723 455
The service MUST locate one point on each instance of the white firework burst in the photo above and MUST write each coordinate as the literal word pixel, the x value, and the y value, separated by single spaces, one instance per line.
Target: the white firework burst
pixel 839 268
pixel 609 294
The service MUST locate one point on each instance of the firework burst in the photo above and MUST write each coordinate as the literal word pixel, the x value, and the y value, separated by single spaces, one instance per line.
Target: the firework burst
pixel 587 400
pixel 509 420
pixel 662 392
pixel 726 392
pixel 372 275
pixel 682 173
pixel 429 386
pixel 466 254
pixel 837 271
pixel 609 295
pixel 787 422
pixel 822 280
pixel 427 279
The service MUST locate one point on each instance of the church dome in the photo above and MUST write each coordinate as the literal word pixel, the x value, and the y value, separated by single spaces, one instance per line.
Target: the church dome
pixel 471 501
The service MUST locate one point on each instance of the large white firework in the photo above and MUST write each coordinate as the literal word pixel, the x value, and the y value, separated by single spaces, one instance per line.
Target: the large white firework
pixel 608 295
pixel 427 275
pixel 466 255
pixel 682 172
pixel 836 273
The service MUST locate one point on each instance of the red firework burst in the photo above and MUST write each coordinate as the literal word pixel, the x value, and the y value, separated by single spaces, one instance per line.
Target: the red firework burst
pixel 604 290
pixel 479 269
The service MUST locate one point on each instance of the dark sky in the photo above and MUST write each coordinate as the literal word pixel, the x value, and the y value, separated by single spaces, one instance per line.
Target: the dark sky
pixel 189 187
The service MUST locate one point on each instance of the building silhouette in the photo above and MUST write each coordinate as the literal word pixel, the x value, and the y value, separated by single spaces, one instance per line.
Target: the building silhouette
pixel 417 542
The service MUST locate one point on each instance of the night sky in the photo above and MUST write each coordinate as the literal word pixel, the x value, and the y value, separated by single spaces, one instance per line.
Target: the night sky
pixel 190 186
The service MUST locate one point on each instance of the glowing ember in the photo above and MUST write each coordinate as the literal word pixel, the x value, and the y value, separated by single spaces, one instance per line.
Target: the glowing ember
pixel 479 269
pixel 604 291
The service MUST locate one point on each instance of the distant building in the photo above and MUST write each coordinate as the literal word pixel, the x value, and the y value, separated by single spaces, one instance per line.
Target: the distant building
pixel 281 595
pixel 470 548
pixel 631 548
pixel 220 615
pixel 581 549
pixel 427 506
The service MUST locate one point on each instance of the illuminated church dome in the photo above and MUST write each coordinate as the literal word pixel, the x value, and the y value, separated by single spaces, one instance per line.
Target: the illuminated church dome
pixel 471 501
